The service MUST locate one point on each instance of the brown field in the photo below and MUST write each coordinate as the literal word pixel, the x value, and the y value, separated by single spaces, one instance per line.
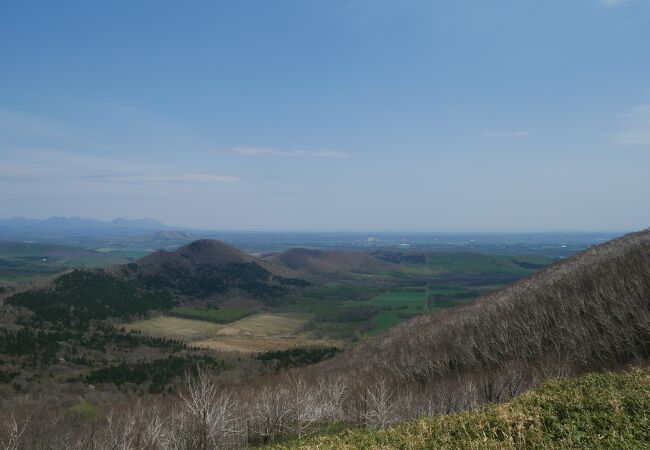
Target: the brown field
pixel 258 333
pixel 266 324
pixel 175 328
pixel 257 344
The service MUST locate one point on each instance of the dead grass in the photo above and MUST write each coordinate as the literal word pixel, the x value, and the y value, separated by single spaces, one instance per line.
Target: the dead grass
pixel 258 333
pixel 266 324
pixel 175 328
pixel 257 344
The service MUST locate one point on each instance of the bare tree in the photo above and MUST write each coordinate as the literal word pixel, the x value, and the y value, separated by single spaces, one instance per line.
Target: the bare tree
pixel 13 433
pixel 306 408
pixel 209 410
pixel 378 404
pixel 331 393
pixel 272 409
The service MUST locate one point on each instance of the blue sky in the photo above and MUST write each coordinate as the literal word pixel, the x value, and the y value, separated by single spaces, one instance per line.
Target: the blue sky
pixel 445 115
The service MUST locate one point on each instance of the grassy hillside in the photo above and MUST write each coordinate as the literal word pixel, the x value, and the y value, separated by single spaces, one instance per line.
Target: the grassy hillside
pixel 596 411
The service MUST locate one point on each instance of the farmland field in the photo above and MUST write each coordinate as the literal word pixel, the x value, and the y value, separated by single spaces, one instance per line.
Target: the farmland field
pixel 22 263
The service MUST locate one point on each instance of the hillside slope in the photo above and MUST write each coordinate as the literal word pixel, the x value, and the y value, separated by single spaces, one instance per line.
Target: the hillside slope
pixel 588 313
pixel 594 411
pixel 323 261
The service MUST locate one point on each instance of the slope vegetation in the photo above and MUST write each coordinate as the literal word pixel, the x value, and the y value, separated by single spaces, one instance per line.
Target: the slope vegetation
pixel 594 411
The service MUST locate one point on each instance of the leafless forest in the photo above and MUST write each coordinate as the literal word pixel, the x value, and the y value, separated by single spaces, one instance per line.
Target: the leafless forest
pixel 588 313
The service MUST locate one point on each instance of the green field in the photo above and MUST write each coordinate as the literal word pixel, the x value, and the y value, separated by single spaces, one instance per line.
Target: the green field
pixel 22 262
pixel 216 315
pixel 398 305
pixel 444 280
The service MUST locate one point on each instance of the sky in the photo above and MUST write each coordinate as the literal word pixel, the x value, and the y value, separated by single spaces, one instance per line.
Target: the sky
pixel 374 115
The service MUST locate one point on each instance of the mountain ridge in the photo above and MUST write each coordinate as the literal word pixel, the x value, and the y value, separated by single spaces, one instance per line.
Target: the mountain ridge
pixel 322 261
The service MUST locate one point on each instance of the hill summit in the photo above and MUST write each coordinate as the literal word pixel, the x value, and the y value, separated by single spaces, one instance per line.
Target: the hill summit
pixel 317 261
pixel 210 268
pixel 204 251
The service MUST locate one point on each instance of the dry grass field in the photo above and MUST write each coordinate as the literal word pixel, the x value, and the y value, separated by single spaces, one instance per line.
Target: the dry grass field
pixel 258 344
pixel 175 328
pixel 258 333
pixel 266 324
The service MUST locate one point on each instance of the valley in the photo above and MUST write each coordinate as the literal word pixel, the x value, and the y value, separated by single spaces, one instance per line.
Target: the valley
pixel 209 298
pixel 391 321
pixel 325 225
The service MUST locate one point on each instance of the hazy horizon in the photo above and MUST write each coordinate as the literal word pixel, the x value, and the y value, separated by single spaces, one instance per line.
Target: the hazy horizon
pixel 457 231
pixel 342 116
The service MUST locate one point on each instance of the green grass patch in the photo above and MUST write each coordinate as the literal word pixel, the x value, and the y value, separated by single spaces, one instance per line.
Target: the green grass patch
pixel 398 305
pixel 217 315
pixel 384 321
pixel 404 298
pixel 84 410
pixel 338 291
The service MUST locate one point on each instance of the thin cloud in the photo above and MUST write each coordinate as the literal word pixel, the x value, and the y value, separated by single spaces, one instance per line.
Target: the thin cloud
pixel 19 124
pixel 505 134
pixel 612 2
pixel 22 123
pixel 38 165
pixel 636 127
pixel 173 178
pixel 266 152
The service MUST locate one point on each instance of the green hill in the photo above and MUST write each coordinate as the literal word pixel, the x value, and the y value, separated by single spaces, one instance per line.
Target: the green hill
pixel 596 411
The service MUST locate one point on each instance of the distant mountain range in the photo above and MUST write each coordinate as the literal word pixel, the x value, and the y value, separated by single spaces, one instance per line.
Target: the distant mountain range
pixel 77 223
pixel 89 233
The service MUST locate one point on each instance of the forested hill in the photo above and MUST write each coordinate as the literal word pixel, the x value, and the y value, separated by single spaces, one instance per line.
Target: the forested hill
pixel 206 268
pixel 202 269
